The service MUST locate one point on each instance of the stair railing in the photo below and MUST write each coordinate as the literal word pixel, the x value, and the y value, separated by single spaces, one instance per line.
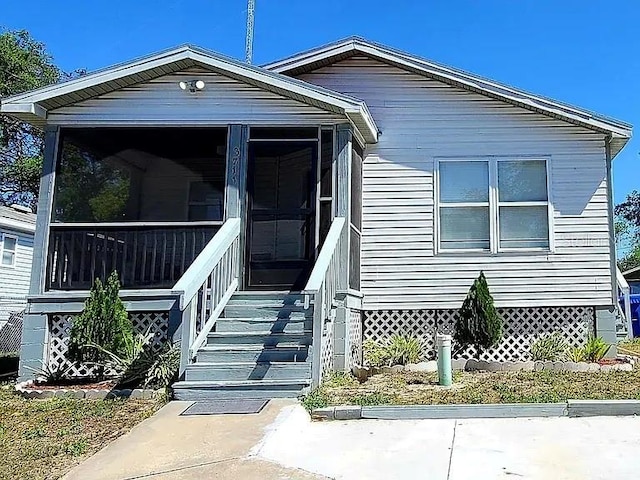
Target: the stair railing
pixel 623 287
pixel 327 278
pixel 206 287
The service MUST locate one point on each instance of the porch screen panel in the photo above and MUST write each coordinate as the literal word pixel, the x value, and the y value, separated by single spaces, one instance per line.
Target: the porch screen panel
pixel 355 227
pixel 140 174
pixel 326 184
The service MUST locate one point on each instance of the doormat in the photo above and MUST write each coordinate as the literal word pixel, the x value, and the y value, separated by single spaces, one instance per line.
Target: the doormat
pixel 221 407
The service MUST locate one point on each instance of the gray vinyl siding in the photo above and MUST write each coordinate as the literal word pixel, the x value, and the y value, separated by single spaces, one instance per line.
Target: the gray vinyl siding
pixel 421 120
pixel 14 281
pixel 161 102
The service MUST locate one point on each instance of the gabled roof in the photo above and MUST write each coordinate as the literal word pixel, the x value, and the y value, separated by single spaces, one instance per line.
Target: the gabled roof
pixel 334 52
pixel 17 219
pixel 32 106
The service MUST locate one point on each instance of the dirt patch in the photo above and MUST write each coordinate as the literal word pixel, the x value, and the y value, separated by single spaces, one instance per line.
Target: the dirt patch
pixel 43 439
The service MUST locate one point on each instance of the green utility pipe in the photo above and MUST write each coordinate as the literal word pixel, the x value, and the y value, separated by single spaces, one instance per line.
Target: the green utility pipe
pixel 444 359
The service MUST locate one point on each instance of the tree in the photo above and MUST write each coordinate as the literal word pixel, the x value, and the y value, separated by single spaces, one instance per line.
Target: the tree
pixel 627 231
pixel 478 323
pixel 104 322
pixel 24 65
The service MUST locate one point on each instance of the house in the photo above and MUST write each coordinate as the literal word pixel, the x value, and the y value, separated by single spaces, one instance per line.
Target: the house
pixel 270 218
pixel 632 276
pixel 17 226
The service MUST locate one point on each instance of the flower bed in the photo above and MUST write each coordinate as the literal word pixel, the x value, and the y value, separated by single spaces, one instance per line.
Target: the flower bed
pixel 93 391
pixel 422 388
pixel 623 363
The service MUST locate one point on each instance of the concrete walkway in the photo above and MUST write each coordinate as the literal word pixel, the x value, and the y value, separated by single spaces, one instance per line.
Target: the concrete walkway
pixel 168 446
pixel 282 443
pixel 594 448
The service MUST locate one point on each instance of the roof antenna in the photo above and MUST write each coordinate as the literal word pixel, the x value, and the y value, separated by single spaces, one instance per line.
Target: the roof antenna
pixel 249 44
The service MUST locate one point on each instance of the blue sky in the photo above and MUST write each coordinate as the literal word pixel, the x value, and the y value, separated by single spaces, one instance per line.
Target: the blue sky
pixel 583 52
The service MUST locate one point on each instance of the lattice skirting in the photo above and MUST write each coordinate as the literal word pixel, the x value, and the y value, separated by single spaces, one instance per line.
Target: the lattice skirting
pixel 354 355
pixel 327 346
pixel 60 326
pixel 521 327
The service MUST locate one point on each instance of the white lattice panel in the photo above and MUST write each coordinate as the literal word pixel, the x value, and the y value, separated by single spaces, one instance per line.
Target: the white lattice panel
pixel 380 325
pixel 326 348
pixel 60 326
pixel 521 327
pixel 354 356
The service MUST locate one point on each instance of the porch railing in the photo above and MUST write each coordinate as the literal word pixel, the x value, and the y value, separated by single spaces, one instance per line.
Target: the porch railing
pixel 206 287
pixel 144 256
pixel 327 278
pixel 625 311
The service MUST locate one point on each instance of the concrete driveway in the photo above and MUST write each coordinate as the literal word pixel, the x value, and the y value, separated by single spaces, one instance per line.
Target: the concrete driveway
pixel 282 443
pixel 544 448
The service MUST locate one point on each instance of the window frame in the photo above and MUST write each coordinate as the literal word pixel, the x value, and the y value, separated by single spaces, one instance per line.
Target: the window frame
pixel 494 205
pixel 2 250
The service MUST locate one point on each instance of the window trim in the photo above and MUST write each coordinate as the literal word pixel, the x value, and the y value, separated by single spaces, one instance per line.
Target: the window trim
pixel 15 252
pixel 494 206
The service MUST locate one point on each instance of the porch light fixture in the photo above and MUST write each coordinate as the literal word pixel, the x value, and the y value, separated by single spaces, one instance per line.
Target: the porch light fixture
pixel 192 85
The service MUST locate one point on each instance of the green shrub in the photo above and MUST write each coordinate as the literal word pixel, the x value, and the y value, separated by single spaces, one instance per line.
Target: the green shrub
pixel 549 348
pixel 315 399
pixel 139 364
pixel 575 354
pixel 595 349
pixel 368 399
pixel 164 369
pixel 478 323
pixel 404 349
pixel 375 355
pixel 103 322
pixel 398 350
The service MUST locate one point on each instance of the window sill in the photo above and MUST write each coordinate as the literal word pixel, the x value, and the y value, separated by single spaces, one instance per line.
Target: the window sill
pixel 485 253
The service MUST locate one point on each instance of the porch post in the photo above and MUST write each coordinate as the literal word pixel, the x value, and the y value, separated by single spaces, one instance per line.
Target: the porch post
pixel 342 198
pixel 236 186
pixel 33 349
pixel 342 208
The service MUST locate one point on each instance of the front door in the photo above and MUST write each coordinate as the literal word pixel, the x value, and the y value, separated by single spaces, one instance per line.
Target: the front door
pixel 281 214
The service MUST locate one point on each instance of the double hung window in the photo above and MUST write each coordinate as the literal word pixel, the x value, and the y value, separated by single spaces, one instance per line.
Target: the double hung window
pixel 493 204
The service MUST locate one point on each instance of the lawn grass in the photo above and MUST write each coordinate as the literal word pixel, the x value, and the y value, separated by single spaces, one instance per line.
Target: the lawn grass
pixel 413 388
pixel 44 439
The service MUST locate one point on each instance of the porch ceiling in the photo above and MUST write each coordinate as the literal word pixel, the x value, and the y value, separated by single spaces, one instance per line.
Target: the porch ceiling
pixel 33 106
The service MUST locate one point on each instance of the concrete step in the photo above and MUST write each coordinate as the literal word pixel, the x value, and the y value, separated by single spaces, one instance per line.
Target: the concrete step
pixel 248 371
pixel 258 338
pixel 298 325
pixel 268 301
pixel 254 353
pixel 259 310
pixel 258 389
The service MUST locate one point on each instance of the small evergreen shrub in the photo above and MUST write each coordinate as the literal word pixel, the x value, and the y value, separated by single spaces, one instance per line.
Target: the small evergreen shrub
pixel 478 324
pixel 104 322
pixel 549 348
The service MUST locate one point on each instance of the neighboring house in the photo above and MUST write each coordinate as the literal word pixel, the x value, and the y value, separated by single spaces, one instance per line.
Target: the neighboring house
pixel 632 276
pixel 17 225
pixel 270 217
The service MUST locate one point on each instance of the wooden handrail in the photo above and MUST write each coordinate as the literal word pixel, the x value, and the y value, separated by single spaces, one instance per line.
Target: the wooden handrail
pixel 189 284
pixel 206 287
pixel 324 259
pixel 327 278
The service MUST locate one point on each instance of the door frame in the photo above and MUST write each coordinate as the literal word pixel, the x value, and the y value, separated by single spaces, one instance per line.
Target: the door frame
pixel 313 206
